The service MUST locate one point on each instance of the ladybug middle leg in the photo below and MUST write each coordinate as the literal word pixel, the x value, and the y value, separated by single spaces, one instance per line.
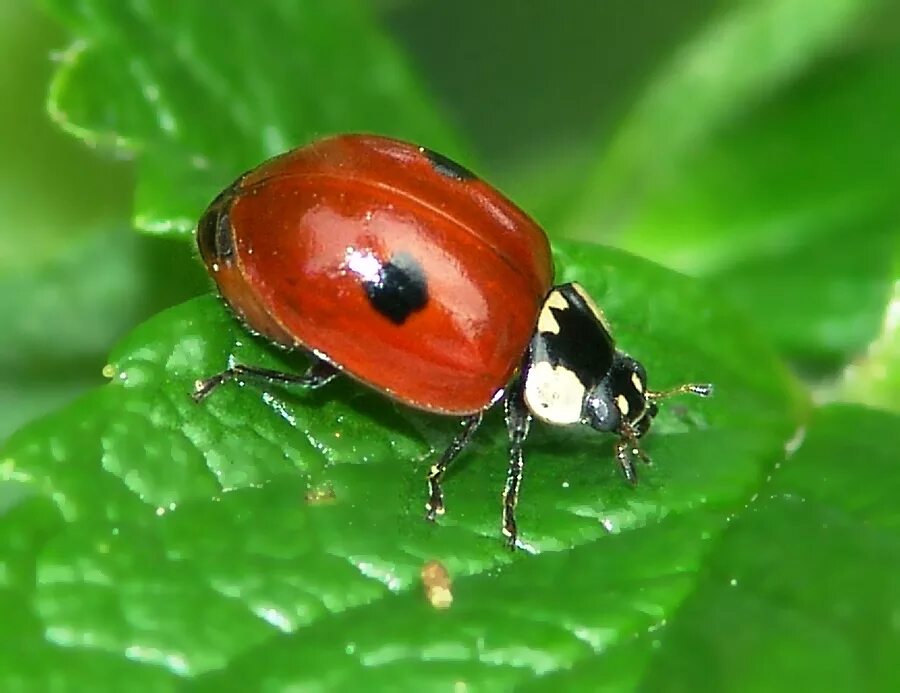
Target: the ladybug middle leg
pixel 318 374
pixel 518 423
pixel 435 504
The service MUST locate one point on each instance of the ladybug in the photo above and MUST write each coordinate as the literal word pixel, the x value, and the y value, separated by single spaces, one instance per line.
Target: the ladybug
pixel 390 263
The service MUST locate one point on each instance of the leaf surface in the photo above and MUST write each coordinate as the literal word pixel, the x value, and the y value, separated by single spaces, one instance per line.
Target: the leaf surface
pixel 202 91
pixel 210 539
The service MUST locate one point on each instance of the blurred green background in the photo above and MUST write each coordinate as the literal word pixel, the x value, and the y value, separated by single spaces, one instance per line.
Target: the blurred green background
pixel 774 176
pixel 751 145
pixel 789 199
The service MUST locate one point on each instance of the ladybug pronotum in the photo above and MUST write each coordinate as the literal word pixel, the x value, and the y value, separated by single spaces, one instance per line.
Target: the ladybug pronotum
pixel 391 264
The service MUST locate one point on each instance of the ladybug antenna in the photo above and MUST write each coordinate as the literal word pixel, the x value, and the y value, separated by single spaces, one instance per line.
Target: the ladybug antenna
pixel 701 390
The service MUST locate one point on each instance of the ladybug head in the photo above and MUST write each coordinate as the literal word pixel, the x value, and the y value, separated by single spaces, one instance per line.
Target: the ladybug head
pixel 574 374
pixel 621 400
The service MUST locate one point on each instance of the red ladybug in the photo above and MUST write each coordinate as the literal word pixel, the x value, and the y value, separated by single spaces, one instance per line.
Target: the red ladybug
pixel 390 263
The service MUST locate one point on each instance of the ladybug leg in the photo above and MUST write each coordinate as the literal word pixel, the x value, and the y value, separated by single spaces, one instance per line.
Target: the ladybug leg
pixel 518 423
pixel 318 374
pixel 435 504
pixel 623 457
pixel 627 448
pixel 631 435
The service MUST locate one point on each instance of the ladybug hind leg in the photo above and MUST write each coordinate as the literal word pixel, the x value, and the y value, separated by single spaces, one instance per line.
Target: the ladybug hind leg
pixel 518 423
pixel 318 374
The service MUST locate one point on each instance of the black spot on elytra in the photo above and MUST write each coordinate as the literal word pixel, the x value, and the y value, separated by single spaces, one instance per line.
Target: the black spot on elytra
pixel 582 345
pixel 447 167
pixel 400 290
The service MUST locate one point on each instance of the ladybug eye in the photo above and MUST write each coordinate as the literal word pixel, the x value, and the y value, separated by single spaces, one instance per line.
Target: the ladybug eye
pixel 599 414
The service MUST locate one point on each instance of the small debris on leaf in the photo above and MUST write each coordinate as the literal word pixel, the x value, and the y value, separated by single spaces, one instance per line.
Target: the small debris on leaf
pixel 437 584
pixel 321 495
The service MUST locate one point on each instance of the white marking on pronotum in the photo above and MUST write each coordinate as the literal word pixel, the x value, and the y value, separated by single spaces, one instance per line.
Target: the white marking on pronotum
pixel 554 394
pixel 622 404
pixel 546 320
pixel 556 300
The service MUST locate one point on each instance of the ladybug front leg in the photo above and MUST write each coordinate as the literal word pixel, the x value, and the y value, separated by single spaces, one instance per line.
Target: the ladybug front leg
pixel 435 504
pixel 627 448
pixel 318 374
pixel 518 423
pixel 623 457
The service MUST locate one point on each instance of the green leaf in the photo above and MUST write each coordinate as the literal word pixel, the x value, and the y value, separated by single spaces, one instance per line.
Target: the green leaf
pixel 746 51
pixel 874 379
pixel 780 176
pixel 549 80
pixel 51 188
pixel 805 580
pixel 224 538
pixel 201 91
pixel 822 302
pixel 60 316
pixel 790 205
pixel 798 593
pixel 90 295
